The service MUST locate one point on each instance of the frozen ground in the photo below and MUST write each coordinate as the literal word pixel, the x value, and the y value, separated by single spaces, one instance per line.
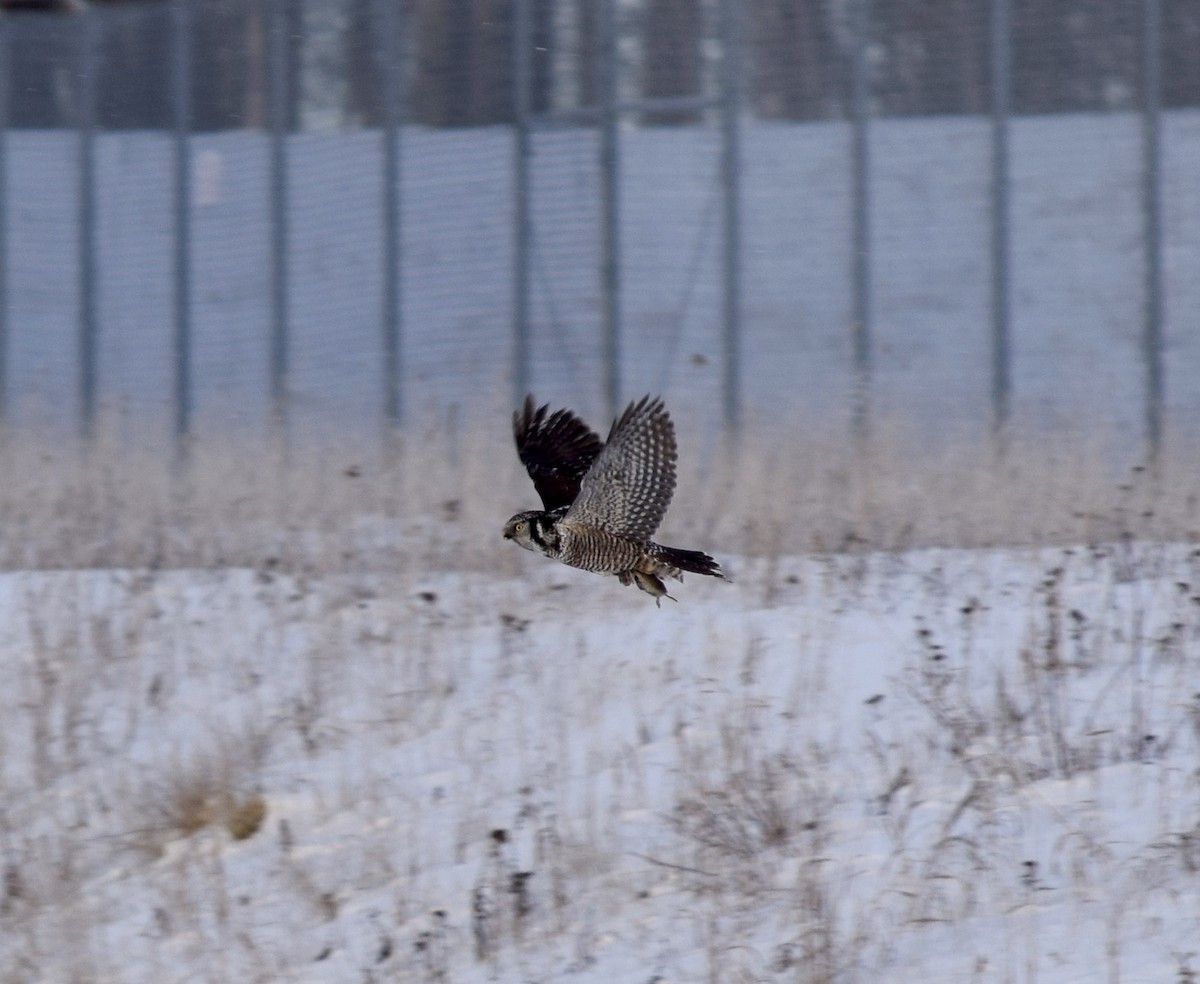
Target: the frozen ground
pixel 935 765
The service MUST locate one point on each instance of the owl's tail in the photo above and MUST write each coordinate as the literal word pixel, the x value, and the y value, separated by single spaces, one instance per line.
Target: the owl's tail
pixel 695 561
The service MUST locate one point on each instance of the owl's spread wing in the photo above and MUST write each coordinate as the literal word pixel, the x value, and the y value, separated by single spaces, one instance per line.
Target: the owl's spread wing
pixel 556 449
pixel 630 484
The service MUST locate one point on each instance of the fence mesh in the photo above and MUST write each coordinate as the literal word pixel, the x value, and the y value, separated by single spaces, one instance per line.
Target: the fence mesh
pixel 337 213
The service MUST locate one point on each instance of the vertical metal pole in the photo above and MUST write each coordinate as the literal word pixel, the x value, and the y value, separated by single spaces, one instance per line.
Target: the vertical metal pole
pixel 523 229
pixel 861 193
pixel 279 89
pixel 1152 219
pixel 389 15
pixel 610 185
pixel 181 110
pixel 4 108
pixel 731 177
pixel 1001 44
pixel 87 223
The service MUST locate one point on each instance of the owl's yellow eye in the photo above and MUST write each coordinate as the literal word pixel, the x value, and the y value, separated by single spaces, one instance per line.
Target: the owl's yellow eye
pixel 521 526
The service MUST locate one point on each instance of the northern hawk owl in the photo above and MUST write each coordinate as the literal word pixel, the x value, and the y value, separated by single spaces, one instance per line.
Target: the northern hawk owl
pixel 603 501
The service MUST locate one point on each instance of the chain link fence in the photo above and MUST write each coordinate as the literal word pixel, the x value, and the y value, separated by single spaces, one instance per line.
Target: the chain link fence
pixel 341 214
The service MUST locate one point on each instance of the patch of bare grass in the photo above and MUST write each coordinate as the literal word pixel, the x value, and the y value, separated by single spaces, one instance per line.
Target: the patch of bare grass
pixel 756 827
pixel 434 497
pixel 809 490
pixel 209 790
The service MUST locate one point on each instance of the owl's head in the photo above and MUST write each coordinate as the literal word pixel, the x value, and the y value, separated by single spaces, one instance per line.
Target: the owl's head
pixel 520 529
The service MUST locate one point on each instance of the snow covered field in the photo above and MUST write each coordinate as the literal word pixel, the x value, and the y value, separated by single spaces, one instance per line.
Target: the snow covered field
pixel 396 748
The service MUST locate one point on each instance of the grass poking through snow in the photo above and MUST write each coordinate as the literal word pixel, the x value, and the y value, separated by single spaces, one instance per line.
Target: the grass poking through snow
pixel 304 717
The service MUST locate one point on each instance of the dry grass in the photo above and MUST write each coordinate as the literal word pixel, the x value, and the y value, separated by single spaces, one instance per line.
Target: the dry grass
pixel 211 789
pixel 196 802
pixel 436 496
pixel 756 822
pixel 372 783
pixel 480 801
pixel 815 491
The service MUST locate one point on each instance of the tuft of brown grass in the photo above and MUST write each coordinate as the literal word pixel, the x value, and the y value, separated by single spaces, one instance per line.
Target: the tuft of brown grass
pixel 246 818
pixel 199 801
pixel 209 790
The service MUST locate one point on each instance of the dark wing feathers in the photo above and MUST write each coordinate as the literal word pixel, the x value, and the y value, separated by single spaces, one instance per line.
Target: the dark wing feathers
pixel 556 449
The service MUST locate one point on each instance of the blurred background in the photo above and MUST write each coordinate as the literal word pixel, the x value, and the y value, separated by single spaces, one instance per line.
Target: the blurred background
pixel 332 216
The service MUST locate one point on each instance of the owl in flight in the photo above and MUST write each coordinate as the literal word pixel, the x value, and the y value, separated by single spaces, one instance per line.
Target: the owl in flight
pixel 603 501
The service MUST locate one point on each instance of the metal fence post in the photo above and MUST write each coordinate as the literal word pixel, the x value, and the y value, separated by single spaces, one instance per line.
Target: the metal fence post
pixel 522 232
pixel 4 91
pixel 731 178
pixel 1152 222
pixel 1001 45
pixel 87 222
pixel 610 192
pixel 861 219
pixel 392 73
pixel 279 93
pixel 181 110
